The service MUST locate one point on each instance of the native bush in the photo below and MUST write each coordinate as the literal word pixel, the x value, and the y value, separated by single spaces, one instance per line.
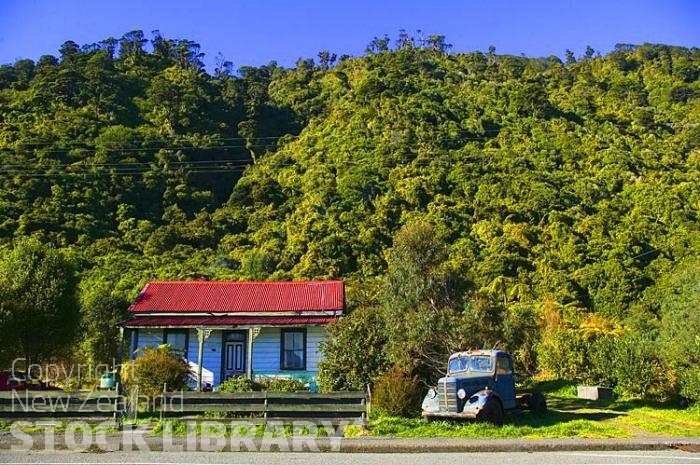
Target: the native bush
pixel 690 384
pixel 280 385
pixel 396 393
pixel 353 354
pixel 519 331
pixel 562 353
pixel 236 384
pixel 157 368
pixel 679 342
pixel 637 369
pixel 599 366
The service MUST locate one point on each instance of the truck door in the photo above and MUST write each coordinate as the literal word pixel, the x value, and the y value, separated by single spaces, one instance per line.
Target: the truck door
pixel 505 381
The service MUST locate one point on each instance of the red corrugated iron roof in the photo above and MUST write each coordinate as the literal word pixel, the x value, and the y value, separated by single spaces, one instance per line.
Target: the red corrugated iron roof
pixel 233 297
pixel 228 321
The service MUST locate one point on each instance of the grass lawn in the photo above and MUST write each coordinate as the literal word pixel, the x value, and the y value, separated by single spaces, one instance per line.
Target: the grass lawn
pixel 568 417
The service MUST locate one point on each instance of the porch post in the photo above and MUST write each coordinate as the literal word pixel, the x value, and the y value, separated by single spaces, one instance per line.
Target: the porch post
pixel 133 342
pixel 120 354
pixel 202 335
pixel 252 334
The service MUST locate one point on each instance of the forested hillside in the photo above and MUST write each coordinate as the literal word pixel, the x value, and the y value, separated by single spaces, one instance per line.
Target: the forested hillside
pixel 545 200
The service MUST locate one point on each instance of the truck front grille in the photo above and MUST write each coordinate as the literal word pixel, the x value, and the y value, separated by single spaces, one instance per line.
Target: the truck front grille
pixel 448 396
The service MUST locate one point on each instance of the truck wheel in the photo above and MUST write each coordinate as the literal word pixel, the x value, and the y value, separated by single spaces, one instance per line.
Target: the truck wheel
pixel 491 413
pixel 537 403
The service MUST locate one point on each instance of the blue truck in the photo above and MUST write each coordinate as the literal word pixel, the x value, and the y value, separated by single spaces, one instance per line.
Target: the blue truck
pixel 480 385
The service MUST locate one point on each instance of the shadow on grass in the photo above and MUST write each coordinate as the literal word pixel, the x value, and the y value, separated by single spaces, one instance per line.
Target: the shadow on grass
pixel 632 404
pixel 574 403
pixel 551 386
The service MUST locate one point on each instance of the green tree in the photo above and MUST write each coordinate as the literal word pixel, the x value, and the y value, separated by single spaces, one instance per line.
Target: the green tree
pixel 421 303
pixel 353 355
pixel 39 308
pixel 102 308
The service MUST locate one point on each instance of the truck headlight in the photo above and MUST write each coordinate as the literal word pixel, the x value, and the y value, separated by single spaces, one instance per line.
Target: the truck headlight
pixel 462 394
pixel 432 393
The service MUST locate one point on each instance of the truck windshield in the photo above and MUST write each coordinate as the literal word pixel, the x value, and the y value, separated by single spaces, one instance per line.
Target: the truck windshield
pixel 477 363
pixel 481 363
pixel 458 364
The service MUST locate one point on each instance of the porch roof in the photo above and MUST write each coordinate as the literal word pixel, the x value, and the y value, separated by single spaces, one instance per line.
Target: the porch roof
pixel 223 321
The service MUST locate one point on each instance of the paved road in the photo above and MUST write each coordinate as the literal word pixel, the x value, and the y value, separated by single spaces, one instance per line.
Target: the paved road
pixel 328 458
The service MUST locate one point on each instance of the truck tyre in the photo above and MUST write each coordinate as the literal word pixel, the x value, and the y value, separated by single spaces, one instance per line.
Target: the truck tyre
pixel 537 403
pixel 491 413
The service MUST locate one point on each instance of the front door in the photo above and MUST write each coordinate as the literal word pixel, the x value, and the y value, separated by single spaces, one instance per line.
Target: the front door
pixel 234 354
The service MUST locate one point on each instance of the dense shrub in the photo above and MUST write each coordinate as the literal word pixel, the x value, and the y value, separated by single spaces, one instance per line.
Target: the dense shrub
pixel 520 332
pixel 155 368
pixel 396 393
pixel 629 363
pixel 562 353
pixel 244 384
pixel 637 368
pixel 689 384
pixel 354 353
pixel 236 384
pixel 280 385
pixel 599 365
pixel 679 340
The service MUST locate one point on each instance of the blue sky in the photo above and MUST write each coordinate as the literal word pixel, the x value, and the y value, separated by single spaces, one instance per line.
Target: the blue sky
pixel 256 32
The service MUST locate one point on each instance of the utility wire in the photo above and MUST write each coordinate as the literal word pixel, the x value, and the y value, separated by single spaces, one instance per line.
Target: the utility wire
pixel 80 145
pixel 199 166
pixel 216 139
pixel 145 139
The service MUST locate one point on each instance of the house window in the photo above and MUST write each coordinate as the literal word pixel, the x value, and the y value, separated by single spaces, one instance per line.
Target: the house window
pixel 293 345
pixel 177 339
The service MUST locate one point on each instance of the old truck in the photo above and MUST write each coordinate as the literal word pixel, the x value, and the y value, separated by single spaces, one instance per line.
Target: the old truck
pixel 480 384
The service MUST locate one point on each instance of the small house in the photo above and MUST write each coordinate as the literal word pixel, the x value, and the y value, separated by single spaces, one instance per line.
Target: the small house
pixel 226 329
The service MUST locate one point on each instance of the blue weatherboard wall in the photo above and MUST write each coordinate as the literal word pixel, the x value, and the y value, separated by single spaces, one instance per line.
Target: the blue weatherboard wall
pixel 266 351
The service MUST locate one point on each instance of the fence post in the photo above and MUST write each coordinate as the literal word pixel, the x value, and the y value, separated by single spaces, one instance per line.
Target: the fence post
pixel 369 400
pixel 134 402
pixel 162 401
pixel 265 412
pixel 117 410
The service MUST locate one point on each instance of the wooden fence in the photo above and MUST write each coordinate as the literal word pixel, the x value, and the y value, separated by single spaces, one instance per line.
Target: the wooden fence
pixel 261 407
pixel 253 407
pixel 95 406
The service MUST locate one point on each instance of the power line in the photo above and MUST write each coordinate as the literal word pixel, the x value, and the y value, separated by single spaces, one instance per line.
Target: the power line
pixel 144 139
pixel 216 139
pixel 128 164
pixel 144 149
pixel 119 172
pixel 200 166
pixel 80 145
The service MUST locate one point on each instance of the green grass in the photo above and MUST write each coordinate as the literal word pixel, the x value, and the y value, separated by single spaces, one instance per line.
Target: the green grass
pixel 60 426
pixel 207 427
pixel 551 425
pixel 661 420
pixel 568 417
